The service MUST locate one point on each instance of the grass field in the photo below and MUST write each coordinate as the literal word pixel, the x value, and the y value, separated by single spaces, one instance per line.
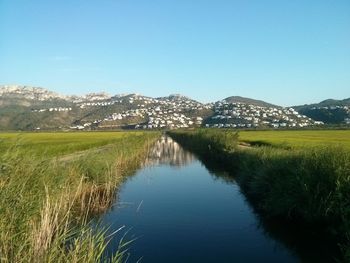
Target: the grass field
pixel 305 138
pixel 52 183
pixel 54 144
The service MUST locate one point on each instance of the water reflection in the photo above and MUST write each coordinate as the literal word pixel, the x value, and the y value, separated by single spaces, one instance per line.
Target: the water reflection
pixel 168 152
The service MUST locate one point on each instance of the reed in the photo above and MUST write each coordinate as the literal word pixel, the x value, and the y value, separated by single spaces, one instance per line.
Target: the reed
pixel 46 202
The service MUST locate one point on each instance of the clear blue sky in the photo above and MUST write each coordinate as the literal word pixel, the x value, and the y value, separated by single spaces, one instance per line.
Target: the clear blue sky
pixel 282 51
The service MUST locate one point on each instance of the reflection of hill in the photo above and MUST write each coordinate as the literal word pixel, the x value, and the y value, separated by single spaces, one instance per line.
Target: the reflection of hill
pixel 167 151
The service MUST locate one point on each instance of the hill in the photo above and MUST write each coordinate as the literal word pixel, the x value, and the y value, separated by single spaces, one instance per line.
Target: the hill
pixel 329 111
pixel 238 99
pixel 35 108
pixel 30 108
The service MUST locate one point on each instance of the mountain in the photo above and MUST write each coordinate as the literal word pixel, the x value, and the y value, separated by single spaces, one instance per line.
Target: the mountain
pixel 35 108
pixel 329 111
pixel 29 93
pixel 238 99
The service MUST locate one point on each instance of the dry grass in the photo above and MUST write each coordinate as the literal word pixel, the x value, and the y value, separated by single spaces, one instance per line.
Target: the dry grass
pixel 95 199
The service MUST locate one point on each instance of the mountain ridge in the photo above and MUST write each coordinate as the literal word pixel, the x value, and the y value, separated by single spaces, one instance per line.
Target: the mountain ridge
pixel 327 102
pixel 102 95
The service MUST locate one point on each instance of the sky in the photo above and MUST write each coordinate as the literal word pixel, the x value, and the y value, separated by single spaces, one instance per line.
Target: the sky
pixel 281 51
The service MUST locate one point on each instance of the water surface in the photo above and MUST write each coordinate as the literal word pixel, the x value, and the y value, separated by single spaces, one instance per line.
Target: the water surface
pixel 180 211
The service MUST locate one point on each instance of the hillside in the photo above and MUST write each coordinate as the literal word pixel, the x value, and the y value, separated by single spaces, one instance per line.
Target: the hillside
pixel 238 99
pixel 35 108
pixel 329 111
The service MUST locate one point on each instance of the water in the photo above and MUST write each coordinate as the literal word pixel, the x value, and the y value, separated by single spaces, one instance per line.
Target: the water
pixel 179 211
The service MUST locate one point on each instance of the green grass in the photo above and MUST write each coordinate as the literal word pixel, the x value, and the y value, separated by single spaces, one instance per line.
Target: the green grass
pixel 49 189
pixel 53 144
pixel 302 176
pixel 297 138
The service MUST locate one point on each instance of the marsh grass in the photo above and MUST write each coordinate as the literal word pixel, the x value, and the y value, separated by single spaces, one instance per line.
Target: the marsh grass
pixel 46 204
pixel 208 140
pixel 308 185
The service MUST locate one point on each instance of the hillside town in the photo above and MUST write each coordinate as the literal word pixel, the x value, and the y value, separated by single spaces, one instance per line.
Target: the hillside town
pixel 171 112
pixel 242 115
pixel 181 112
pixel 134 111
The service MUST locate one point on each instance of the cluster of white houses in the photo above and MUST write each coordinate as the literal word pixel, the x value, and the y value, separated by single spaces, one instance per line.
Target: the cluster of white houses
pixel 174 121
pixel 184 113
pixel 161 113
pixel 181 112
pixel 177 111
pixel 242 115
pixel 58 109
pixel 118 99
pixel 332 108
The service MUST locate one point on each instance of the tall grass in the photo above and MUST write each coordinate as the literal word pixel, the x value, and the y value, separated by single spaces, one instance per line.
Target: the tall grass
pixel 208 140
pixel 46 203
pixel 310 185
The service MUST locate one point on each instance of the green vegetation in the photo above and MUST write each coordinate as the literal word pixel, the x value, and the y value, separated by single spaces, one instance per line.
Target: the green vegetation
pixel 328 116
pixel 329 111
pixel 210 139
pixel 55 144
pixel 297 139
pixel 50 186
pixel 309 185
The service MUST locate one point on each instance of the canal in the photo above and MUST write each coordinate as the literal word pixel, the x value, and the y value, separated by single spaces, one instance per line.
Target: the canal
pixel 177 209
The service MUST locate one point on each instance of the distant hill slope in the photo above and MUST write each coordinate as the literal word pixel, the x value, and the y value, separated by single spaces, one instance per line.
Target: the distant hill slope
pixel 177 97
pixel 236 99
pixel 325 103
pixel 329 111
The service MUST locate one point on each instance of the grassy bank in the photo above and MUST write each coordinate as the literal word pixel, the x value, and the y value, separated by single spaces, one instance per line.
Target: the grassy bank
pixel 308 185
pixel 51 185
